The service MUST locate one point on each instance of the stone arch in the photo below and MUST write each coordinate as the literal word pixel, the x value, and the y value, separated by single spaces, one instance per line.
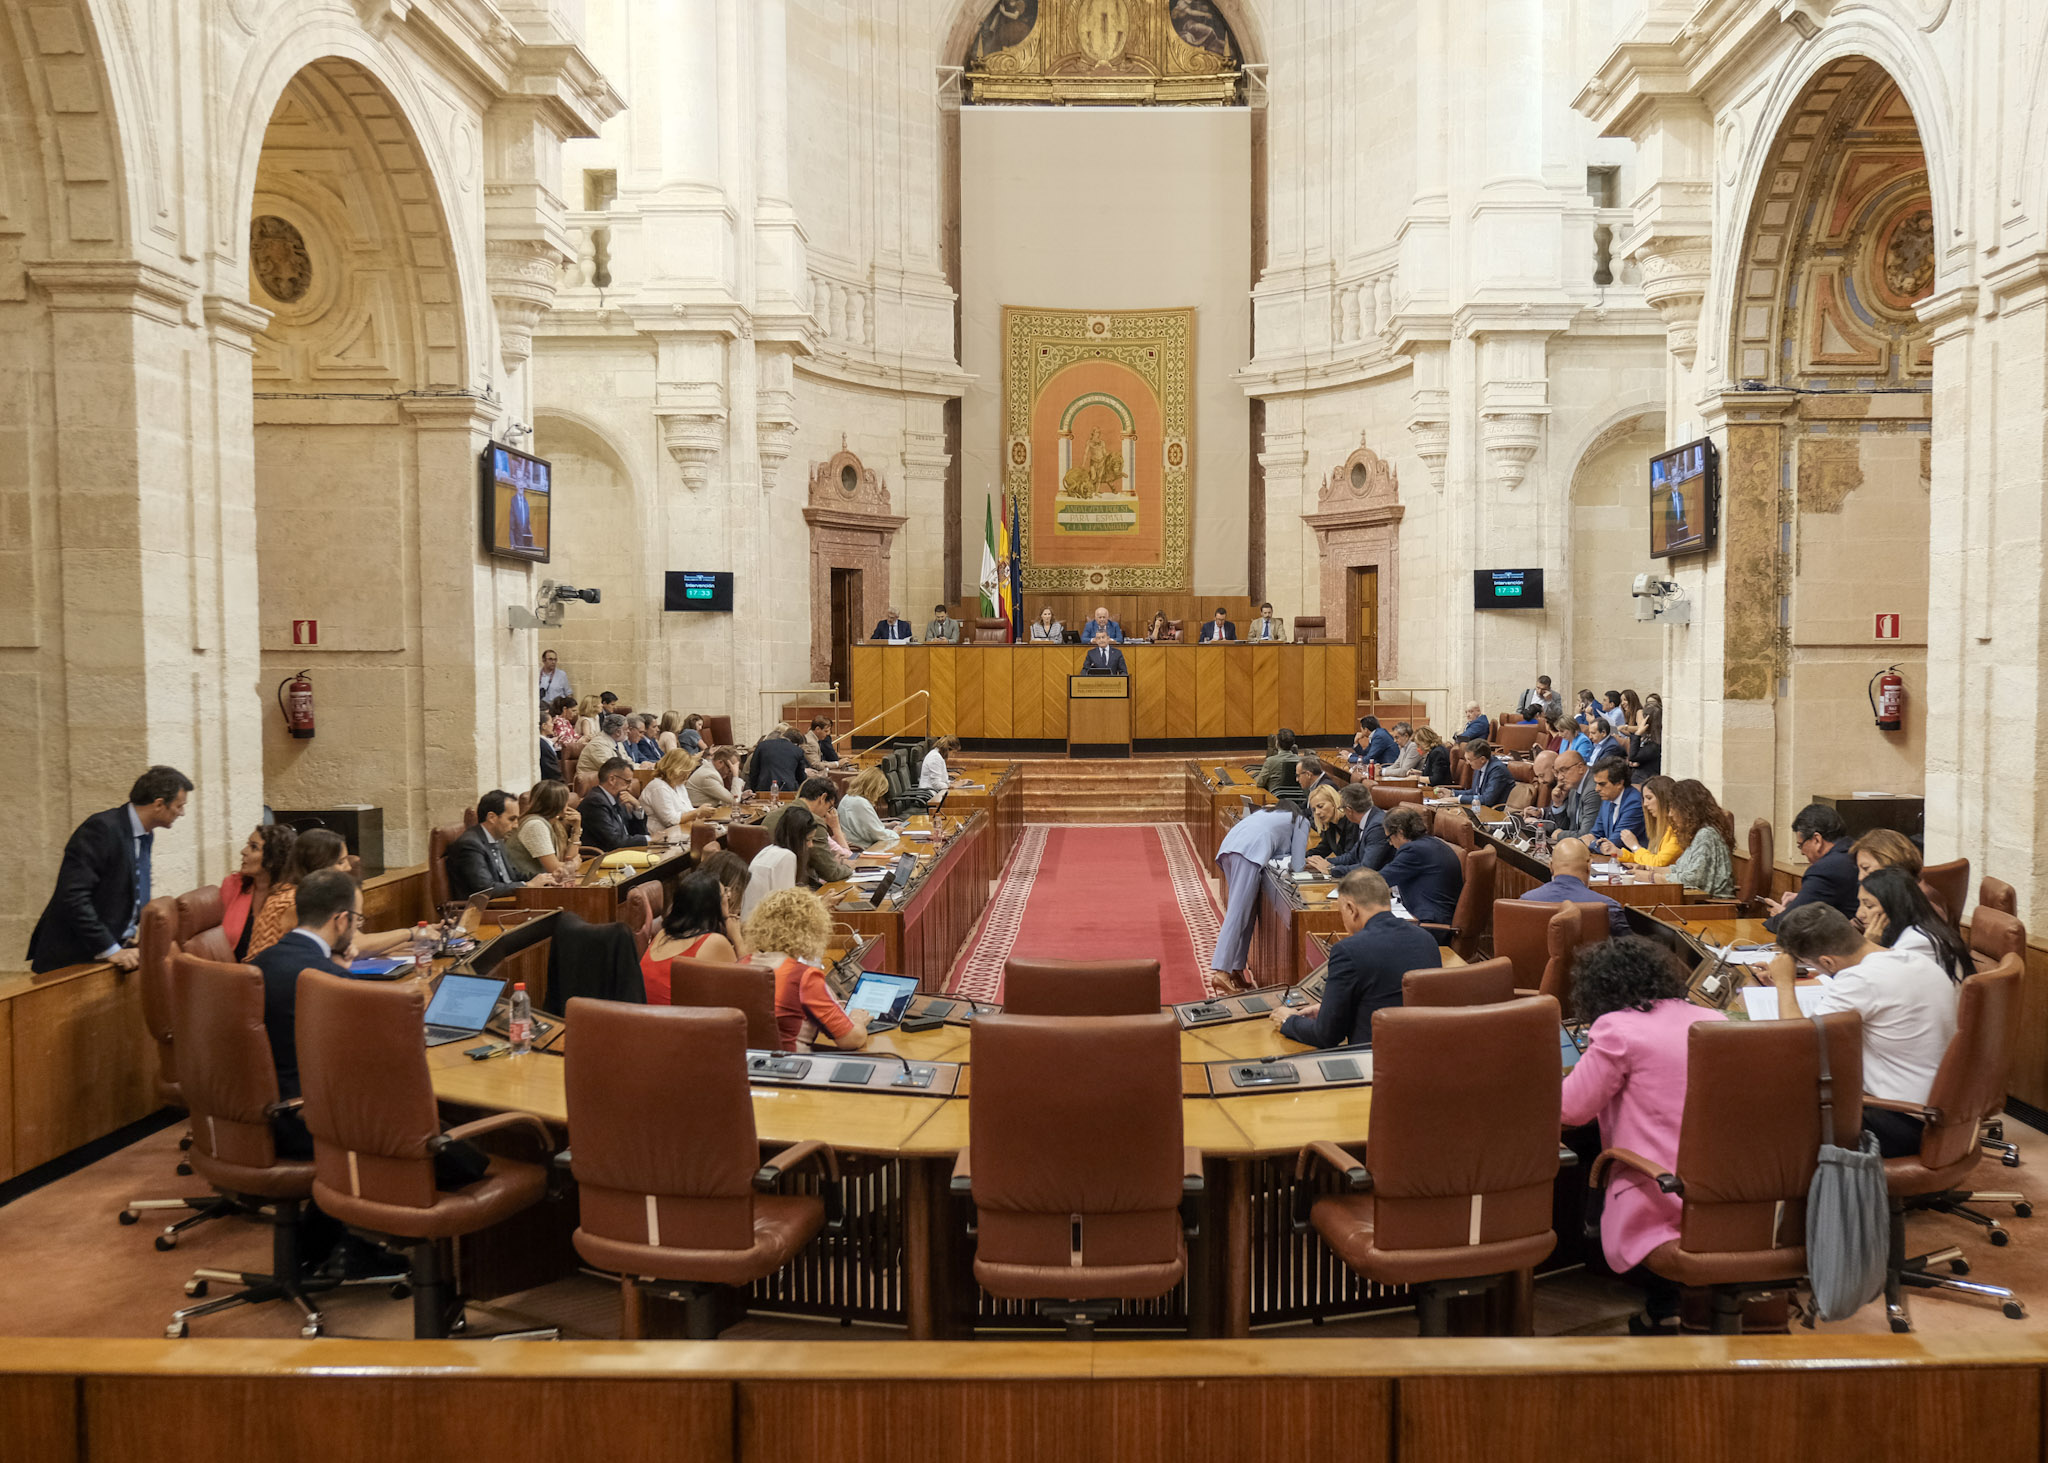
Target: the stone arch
pixel 1609 507
pixel 64 178
pixel 606 541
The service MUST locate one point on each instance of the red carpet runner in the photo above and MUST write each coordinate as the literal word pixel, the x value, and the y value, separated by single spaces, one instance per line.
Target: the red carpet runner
pixel 1098 893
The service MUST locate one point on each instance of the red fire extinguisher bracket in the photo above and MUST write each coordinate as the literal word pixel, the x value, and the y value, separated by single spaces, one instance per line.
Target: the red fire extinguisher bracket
pixel 295 700
pixel 1887 692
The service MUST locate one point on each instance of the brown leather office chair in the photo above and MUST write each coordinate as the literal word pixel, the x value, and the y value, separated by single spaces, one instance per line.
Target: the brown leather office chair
pixel 642 913
pixel 1997 894
pixel 1994 937
pixel 1969 1087
pixel 668 1166
pixel 718 731
pixel 747 989
pixel 231 1091
pixel 991 632
pixel 1755 884
pixel 1078 1185
pixel 438 839
pixel 1081 987
pixel 1387 798
pixel 1521 934
pixel 376 1128
pixel 746 839
pixel 1469 920
pixel 1482 983
pixel 1573 929
pixel 584 782
pixel 1462 1143
pixel 1747 1147
pixel 1308 628
pixel 1175 631
pixel 1454 828
pixel 568 754
pixel 1949 887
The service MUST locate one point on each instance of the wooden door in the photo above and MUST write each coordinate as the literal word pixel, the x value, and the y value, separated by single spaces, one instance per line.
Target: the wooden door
pixel 1365 628
pixel 846 627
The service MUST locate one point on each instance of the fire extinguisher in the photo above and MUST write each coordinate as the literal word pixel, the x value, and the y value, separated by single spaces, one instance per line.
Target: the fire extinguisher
pixel 1888 699
pixel 295 700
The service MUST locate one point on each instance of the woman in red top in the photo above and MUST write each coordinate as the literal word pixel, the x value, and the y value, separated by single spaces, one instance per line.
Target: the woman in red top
pixel 794 924
pixel 244 892
pixel 700 925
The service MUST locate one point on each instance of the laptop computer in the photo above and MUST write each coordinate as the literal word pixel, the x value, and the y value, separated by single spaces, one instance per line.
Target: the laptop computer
pixel 883 997
pixel 461 1007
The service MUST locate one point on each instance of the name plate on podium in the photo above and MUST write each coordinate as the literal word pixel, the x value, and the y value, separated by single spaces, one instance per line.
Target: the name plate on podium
pixel 1099 688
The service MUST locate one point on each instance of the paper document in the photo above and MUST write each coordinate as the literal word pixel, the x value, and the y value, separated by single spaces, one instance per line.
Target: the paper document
pixel 1761 1001
pixel 1736 955
pixel 1608 870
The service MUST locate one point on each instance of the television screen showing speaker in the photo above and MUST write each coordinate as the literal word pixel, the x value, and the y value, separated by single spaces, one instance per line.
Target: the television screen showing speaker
pixel 690 589
pixel 518 504
pixel 1685 500
pixel 1507 589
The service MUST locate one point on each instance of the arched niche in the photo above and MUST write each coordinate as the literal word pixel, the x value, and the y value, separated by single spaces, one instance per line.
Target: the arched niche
pixel 1357 524
pixel 852 533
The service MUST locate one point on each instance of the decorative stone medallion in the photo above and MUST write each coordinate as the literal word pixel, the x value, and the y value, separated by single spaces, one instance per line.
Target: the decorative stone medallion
pixel 277 252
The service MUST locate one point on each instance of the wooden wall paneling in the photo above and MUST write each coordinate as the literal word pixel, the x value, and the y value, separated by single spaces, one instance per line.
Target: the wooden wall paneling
pixel 1148 690
pixel 1061 664
pixel 1180 693
pixel 892 658
pixel 1314 692
pixel 83 1064
pixel 8 1167
pixel 967 694
pixel 995 694
pixel 1027 694
pixel 865 666
pixel 1340 680
pixel 376 1419
pixel 940 680
pixel 1757 1415
pixel 1239 715
pixel 1209 689
pixel 917 676
pixel 1265 712
pixel 39 1419
pixel 398 899
pixel 1289 662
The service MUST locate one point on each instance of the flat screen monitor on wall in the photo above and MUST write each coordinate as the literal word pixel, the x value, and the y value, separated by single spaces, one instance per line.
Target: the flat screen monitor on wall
pixel 689 589
pixel 518 504
pixel 1685 500
pixel 1507 589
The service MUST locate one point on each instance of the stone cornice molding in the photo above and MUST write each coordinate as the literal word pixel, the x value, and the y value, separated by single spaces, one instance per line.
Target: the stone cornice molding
pixel 554 73
pixel 842 518
pixel 454 411
pixel 1674 57
pixel 236 323
pixel 122 286
pixel 940 379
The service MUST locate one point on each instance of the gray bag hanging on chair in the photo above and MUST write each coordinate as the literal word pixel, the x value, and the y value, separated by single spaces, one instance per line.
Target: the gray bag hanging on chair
pixel 1848 1214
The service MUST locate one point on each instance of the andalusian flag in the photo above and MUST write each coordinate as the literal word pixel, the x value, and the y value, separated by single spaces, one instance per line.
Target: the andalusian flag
pixel 990 588
pixel 1005 605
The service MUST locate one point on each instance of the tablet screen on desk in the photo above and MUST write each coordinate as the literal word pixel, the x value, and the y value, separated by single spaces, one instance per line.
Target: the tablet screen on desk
pixel 883 997
pixel 464 1002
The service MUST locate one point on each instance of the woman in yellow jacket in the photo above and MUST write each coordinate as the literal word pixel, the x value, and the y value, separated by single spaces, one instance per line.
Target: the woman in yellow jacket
pixel 1662 848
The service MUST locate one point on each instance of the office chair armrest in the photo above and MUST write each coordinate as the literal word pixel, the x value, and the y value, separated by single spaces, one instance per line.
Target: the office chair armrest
pixel 794 1157
pixel 1433 927
pixel 1918 1110
pixel 1357 1178
pixel 962 1182
pixel 290 1104
pixel 565 1161
pixel 498 1122
pixel 1191 1177
pixel 1521 992
pixel 1597 1178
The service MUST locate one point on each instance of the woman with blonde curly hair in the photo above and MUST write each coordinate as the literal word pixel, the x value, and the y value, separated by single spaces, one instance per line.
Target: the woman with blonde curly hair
pixel 791 927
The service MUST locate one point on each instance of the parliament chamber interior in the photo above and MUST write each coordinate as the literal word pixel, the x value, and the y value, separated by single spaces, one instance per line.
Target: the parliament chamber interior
pixel 1252 726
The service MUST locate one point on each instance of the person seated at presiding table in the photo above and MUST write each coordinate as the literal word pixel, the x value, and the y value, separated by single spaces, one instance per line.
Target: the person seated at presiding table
pixel 1374 743
pixel 1366 967
pixel 701 923
pixel 1621 806
pixel 604 746
pixel 244 892
pixel 1161 630
pixel 545 839
pixel 778 763
pixel 1893 910
pixel 1219 628
pixel 711 785
pixel 1830 876
pixel 786 862
pixel 1267 627
pixel 1103 658
pixel 1046 630
pixel 314 851
pixel 942 629
pixel 1707 830
pixel 612 815
pixel 476 862
pixel 1906 1000
pixel 792 927
pixel 1424 870
pixel 1278 769
pixel 859 822
pixel 1631 1078
pixel 666 798
pixel 819 752
pixel 1434 765
pixel 892 629
pixel 1477 728
pixel 1491 779
pixel 1571 864
pixel 103 879
pixel 933 775
pixel 1101 624
pixel 828 844
pixel 1367 847
pixel 1659 847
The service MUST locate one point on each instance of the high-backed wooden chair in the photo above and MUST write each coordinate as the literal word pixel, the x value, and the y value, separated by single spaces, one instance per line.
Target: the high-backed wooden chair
pixel 1756 879
pixel 1308 628
pixel 747 989
pixel 1572 929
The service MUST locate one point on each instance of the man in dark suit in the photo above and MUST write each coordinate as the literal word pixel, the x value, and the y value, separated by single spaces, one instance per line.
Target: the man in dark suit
pixel 1491 779
pixel 610 820
pixel 1831 876
pixel 1579 801
pixel 1374 743
pixel 104 879
pixel 1218 629
pixel 1477 728
pixel 476 861
pixel 1366 967
pixel 1424 870
pixel 1105 659
pixel 330 907
pixel 778 761
pixel 892 629
pixel 1368 847
pixel 1621 808
pixel 550 761
pixel 1310 774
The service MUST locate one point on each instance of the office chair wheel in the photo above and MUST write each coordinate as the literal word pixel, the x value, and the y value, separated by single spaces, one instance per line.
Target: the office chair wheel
pixel 1901 1328
pixel 196 1288
pixel 2022 1209
pixel 311 1330
pixel 167 1242
pixel 184 1169
pixel 184 1142
pixel 127 1216
pixel 1959 1266
pixel 177 1331
pixel 400 1290
pixel 459 1325
pixel 2000 1238
pixel 2010 1160
pixel 2014 1310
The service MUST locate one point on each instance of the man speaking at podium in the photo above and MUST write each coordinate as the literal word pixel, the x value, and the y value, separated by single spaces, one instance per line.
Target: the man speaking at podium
pixel 1105 659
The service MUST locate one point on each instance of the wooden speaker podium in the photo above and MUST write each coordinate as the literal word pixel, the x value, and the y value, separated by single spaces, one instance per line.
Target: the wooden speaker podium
pixel 1098 716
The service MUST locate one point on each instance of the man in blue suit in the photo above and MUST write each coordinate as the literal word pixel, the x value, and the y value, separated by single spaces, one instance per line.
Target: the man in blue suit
pixel 1102 624
pixel 1366 967
pixel 1571 864
pixel 1258 839
pixel 1491 779
pixel 892 629
pixel 1380 746
pixel 1220 628
pixel 1621 806
pixel 1424 870
pixel 1477 728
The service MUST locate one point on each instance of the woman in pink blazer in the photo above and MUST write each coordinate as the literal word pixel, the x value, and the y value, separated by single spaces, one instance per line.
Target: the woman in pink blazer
pixel 1632 1078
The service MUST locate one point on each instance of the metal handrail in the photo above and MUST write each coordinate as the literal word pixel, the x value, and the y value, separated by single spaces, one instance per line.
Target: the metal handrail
pixel 1407 693
pixel 885 711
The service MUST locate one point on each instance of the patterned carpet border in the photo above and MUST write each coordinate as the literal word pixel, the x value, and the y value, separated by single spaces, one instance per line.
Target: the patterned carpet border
pixel 979 975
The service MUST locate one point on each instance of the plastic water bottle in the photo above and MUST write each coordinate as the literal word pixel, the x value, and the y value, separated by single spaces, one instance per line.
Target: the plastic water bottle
pixel 422 950
pixel 519 1027
pixel 774 789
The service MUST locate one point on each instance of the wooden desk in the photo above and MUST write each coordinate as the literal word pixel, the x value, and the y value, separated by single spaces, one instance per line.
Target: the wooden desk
pixel 1098 716
pixel 922 931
